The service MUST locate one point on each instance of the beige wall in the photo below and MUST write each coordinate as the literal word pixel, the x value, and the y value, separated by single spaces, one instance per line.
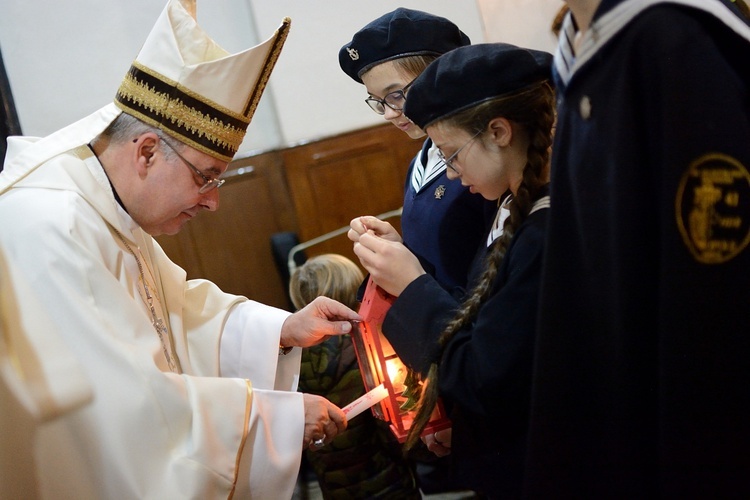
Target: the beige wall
pixel 522 22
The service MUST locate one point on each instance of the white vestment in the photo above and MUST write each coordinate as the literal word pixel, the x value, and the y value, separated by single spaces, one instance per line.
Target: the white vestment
pixel 40 380
pixel 148 432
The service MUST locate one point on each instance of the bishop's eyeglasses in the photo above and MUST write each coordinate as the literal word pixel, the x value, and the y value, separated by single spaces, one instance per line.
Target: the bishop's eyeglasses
pixel 208 183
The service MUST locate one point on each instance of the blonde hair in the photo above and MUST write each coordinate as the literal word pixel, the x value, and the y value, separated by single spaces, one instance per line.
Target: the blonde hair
pixel 742 7
pixel 413 65
pixel 330 275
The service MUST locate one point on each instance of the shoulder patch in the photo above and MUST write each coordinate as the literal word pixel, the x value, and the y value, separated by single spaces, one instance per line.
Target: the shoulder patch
pixel 712 208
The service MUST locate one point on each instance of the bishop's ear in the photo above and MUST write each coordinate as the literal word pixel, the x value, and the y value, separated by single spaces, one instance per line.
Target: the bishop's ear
pixel 145 146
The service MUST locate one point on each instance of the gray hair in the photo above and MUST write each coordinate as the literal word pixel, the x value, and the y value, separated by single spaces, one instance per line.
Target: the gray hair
pixel 126 127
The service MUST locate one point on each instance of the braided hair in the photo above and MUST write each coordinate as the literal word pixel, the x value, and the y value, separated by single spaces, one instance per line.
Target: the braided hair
pixel 533 110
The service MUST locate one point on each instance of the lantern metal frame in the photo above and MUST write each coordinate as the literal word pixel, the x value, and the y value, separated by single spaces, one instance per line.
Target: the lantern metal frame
pixel 375 354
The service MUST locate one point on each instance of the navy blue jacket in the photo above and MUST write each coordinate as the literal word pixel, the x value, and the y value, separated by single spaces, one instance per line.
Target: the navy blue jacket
pixel 642 378
pixel 485 370
pixel 443 224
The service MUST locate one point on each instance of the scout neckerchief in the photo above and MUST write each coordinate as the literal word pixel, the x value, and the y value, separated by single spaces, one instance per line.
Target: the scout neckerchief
pixel 503 211
pixel 427 166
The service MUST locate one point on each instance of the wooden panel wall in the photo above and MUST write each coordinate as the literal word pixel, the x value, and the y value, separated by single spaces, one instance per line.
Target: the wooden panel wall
pixel 309 189
pixel 333 181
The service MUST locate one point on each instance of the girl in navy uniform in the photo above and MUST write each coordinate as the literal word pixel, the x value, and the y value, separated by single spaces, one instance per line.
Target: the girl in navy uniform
pixel 642 372
pixel 495 136
pixel 442 222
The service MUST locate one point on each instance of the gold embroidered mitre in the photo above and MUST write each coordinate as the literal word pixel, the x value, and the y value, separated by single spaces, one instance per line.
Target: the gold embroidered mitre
pixel 194 90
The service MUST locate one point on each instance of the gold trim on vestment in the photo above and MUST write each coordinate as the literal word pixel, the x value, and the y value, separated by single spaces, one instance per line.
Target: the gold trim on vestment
pixel 254 98
pixel 245 432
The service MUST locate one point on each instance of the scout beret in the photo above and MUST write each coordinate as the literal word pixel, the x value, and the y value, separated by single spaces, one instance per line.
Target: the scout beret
pixel 470 75
pixel 401 33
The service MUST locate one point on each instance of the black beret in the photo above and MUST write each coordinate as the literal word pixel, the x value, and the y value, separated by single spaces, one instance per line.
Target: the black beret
pixel 401 33
pixel 470 75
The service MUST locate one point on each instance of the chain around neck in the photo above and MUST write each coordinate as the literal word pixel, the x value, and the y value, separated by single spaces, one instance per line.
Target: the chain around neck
pixel 148 298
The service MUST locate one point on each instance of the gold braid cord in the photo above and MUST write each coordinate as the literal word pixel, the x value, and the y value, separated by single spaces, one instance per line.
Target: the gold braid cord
pixel 268 65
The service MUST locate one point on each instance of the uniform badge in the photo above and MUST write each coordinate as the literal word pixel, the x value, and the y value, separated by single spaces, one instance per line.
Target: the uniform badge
pixel 353 54
pixel 439 192
pixel 584 107
pixel 712 208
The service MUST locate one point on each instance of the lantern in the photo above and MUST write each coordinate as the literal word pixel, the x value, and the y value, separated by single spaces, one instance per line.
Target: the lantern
pixel 379 364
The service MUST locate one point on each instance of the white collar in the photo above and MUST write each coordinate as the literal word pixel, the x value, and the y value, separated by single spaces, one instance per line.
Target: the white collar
pixel 603 28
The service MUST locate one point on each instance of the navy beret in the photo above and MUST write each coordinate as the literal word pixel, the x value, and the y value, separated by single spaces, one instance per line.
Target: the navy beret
pixel 470 75
pixel 401 33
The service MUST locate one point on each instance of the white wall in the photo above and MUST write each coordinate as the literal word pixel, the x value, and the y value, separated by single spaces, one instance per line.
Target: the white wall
pixel 66 58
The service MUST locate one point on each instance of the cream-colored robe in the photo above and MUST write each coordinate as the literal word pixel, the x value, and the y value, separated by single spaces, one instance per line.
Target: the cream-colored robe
pixel 147 433
pixel 40 380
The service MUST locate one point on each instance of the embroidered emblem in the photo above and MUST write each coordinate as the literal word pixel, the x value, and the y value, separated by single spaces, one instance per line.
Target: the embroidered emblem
pixel 353 54
pixel 712 208
pixel 439 192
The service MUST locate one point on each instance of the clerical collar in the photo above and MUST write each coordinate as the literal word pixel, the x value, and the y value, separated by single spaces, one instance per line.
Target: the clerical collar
pixel 114 191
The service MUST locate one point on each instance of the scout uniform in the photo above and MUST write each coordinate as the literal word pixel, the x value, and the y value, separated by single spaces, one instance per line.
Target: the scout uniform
pixel 485 368
pixel 642 373
pixel 441 222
